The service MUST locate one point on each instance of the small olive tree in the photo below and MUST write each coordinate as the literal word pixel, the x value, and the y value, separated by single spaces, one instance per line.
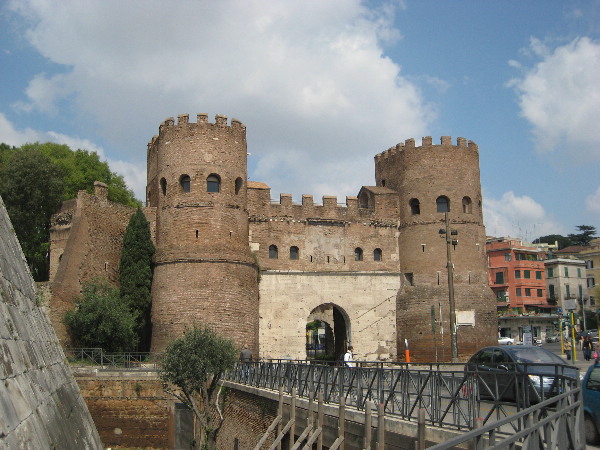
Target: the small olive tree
pixel 192 367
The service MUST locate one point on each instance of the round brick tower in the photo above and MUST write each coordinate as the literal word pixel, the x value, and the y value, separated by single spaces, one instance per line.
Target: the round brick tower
pixel 432 180
pixel 204 271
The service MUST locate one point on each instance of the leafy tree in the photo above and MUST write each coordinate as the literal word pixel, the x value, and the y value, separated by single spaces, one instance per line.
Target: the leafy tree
pixel 552 238
pixel 35 178
pixel 585 235
pixel 31 186
pixel 194 364
pixel 135 274
pixel 101 319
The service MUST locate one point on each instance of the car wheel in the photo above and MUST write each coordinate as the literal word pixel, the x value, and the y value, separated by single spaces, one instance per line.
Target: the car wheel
pixel 591 432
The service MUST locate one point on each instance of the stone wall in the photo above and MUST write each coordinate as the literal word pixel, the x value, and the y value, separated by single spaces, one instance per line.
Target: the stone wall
pixel 88 239
pixel 366 302
pixel 129 410
pixel 40 403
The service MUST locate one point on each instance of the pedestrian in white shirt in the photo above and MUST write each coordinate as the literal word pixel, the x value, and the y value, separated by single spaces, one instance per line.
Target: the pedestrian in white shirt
pixel 349 357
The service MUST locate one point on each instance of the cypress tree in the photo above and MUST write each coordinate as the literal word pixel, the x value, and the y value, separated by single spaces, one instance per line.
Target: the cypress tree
pixel 135 274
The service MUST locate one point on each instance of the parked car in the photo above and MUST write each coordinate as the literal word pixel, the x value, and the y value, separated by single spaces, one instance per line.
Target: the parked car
pixel 591 403
pixel 553 338
pixel 505 341
pixel 522 374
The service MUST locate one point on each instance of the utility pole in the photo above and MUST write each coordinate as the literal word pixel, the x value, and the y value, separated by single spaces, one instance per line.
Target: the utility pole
pixel 450 241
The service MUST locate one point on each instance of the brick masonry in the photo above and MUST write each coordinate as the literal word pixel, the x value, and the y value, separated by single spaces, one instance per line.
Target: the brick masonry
pixel 257 270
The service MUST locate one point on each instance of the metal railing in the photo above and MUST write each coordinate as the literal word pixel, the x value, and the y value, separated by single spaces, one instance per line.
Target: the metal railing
pixel 106 360
pixel 451 396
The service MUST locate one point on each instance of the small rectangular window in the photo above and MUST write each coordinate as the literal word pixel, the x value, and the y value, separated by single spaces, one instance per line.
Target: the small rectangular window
pixel 499 278
pixel 578 272
pixel 551 292
pixel 550 272
pixel 566 271
pixel 527 273
pixel 527 292
pixel 540 292
pixel 517 274
pixel 507 257
pixel 538 274
pixel 518 292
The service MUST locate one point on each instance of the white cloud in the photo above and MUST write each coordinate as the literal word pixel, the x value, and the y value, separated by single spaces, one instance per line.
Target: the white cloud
pixel 592 203
pixel 518 216
pixel 306 77
pixel 560 97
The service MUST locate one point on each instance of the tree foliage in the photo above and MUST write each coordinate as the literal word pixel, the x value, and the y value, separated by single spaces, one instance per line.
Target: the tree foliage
pixel 135 274
pixel 195 364
pixel 35 178
pixel 31 186
pixel 584 237
pixel 101 319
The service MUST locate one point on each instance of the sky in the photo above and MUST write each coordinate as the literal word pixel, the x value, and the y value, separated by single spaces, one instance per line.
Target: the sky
pixel 322 87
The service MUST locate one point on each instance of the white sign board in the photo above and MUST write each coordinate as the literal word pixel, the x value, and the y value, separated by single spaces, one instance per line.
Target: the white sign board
pixel 527 339
pixel 570 303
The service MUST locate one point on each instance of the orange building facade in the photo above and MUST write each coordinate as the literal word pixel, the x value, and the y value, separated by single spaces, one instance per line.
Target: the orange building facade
pixel 517 275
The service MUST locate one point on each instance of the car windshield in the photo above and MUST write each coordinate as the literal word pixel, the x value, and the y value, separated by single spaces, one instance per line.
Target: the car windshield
pixel 535 355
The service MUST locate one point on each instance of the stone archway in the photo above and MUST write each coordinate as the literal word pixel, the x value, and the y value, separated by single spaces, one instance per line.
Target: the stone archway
pixel 328 332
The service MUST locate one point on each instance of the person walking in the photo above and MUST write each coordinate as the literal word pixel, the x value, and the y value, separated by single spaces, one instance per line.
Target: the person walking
pixel 586 346
pixel 567 347
pixel 246 359
pixel 349 357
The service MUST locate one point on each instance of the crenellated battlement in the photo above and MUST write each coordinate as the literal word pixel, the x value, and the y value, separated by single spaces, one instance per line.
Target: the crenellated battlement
pixel 427 143
pixel 183 120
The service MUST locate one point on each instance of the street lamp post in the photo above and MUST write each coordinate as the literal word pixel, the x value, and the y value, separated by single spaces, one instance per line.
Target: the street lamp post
pixel 450 241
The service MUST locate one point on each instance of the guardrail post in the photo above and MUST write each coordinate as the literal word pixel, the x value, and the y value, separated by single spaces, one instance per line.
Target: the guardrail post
pixel 320 421
pixel 368 424
pixel 293 418
pixel 420 444
pixel 280 414
pixel 380 427
pixel 342 422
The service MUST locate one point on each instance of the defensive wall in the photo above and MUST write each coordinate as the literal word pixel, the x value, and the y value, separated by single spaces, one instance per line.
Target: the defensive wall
pixel 257 270
pixel 40 403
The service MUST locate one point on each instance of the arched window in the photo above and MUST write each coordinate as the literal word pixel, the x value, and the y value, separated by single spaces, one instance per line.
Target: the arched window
pixel 467 205
pixel 415 206
pixel 358 254
pixel 273 252
pixel 238 185
pixel 213 183
pixel 294 252
pixel 377 254
pixel 184 182
pixel 443 204
pixel 163 186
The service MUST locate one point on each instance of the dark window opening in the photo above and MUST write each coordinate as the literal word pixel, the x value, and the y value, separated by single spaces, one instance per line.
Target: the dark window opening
pixel 467 205
pixel 294 252
pixel 443 204
pixel 273 252
pixel 358 254
pixel 415 206
pixel 238 185
pixel 377 254
pixel 163 186
pixel 409 279
pixel 213 183
pixel 184 181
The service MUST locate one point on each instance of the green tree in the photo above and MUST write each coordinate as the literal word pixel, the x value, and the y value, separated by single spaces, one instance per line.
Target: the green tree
pixel 35 178
pixel 101 319
pixel 31 186
pixel 195 364
pixel 135 274
pixel 552 238
pixel 585 235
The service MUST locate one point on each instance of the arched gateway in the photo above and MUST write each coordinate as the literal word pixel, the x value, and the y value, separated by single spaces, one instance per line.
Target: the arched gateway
pixel 327 333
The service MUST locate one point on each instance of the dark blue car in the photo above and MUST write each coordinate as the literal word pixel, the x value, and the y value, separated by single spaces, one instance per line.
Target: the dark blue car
pixel 591 403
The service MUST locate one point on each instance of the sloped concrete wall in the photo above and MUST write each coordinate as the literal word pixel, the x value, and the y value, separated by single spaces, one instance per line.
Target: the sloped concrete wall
pixel 40 402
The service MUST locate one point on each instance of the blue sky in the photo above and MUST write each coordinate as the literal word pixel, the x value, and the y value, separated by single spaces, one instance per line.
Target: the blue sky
pixel 322 87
